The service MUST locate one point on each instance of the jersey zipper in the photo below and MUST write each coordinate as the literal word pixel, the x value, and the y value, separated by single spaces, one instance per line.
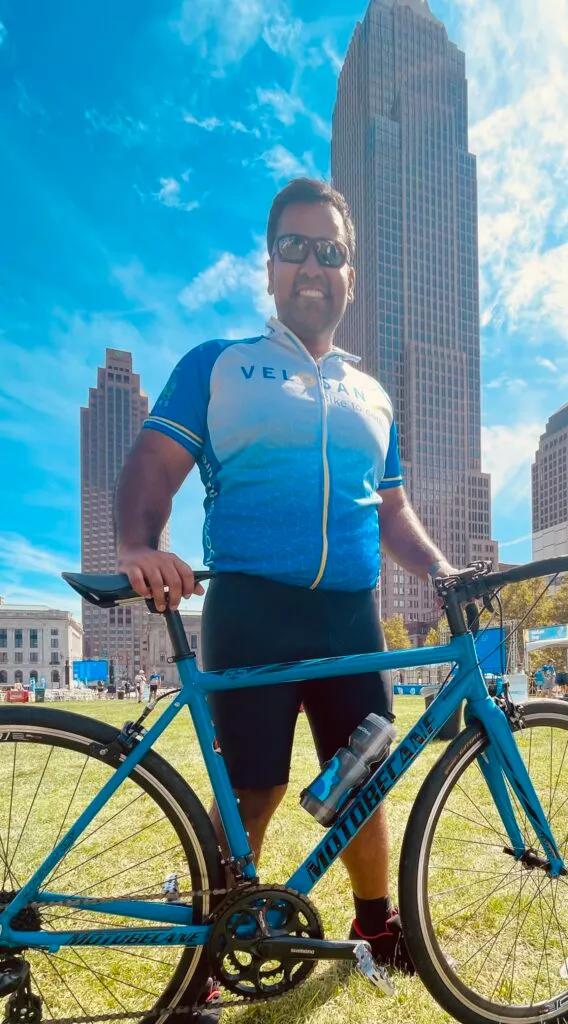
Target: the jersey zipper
pixel 325 463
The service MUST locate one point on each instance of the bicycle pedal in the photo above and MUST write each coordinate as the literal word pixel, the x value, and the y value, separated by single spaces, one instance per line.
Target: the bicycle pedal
pixel 371 970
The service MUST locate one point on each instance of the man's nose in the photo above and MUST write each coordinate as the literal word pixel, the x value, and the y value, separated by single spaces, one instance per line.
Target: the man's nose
pixel 311 264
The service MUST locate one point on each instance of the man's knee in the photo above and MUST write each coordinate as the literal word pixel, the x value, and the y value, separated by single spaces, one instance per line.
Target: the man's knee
pixel 260 804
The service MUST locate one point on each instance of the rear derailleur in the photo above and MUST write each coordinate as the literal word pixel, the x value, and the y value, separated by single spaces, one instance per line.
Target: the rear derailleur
pixel 22 1006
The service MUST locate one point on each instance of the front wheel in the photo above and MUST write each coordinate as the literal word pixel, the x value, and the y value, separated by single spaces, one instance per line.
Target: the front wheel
pixel 52 763
pixel 489 938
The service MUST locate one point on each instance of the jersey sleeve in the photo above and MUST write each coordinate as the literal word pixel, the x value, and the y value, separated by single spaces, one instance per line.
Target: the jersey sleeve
pixel 393 474
pixel 181 410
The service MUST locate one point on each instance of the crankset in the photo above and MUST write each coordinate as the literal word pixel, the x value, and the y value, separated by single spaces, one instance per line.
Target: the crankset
pixel 266 940
pixel 244 921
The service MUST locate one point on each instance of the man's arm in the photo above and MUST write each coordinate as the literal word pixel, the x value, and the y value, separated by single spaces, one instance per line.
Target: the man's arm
pixel 153 472
pixel 406 540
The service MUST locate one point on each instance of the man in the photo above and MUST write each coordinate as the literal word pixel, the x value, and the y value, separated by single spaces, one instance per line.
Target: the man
pixel 154 682
pixel 297 449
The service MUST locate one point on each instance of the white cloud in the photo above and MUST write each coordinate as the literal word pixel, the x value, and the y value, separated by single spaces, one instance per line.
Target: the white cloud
pixel 282 33
pixel 212 124
pixel 209 124
pixel 169 194
pixel 16 551
pixel 507 454
pixel 230 275
pixel 225 30
pixel 283 164
pixel 128 129
pixel 547 364
pixel 518 82
pixel 286 107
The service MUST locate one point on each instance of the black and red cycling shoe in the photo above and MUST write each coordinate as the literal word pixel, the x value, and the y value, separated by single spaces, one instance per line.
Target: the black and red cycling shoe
pixel 388 946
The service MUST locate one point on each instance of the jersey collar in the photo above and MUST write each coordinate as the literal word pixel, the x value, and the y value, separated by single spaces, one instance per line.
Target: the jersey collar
pixel 277 331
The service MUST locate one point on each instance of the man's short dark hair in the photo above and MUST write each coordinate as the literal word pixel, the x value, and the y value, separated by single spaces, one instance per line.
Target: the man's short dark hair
pixel 309 190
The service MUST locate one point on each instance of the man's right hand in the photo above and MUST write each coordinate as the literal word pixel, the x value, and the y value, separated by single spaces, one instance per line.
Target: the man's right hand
pixel 150 571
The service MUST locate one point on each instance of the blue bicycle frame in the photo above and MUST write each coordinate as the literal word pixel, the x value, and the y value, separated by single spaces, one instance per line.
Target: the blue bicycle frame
pixel 500 762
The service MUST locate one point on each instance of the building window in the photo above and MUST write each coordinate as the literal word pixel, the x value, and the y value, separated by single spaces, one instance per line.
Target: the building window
pixel 3 657
pixel 54 643
pixel 19 657
pixel 18 676
pixel 33 638
pixel 193 641
pixel 34 657
pixel 33 676
pixel 18 638
pixel 55 632
pixel 3 678
pixel 55 677
pixel 3 637
pixel 54 660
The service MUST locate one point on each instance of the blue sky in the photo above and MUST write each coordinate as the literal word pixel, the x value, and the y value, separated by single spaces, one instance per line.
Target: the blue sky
pixel 142 143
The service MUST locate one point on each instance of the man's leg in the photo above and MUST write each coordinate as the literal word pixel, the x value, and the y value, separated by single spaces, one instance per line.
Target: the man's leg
pixel 367 859
pixel 257 807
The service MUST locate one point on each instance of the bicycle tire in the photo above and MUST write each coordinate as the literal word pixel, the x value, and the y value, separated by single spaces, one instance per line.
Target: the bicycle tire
pixel 443 937
pixel 171 829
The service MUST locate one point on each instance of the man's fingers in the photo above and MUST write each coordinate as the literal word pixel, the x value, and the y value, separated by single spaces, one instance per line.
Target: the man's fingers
pixel 137 581
pixel 173 581
pixel 187 578
pixel 156 583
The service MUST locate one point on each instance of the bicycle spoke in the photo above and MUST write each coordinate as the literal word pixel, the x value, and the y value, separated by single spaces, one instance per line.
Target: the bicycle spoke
pixel 130 867
pixel 7 853
pixel 507 943
pixel 53 967
pixel 36 791
pixel 59 875
pixel 478 809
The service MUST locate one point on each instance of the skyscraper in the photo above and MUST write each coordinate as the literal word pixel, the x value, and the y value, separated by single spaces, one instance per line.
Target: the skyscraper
pixel 109 425
pixel 400 156
pixel 550 489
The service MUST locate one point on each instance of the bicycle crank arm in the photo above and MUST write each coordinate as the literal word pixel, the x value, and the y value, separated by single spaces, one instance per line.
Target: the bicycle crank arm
pixel 279 948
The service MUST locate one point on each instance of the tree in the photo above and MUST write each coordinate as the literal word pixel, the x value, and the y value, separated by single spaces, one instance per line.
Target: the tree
pixel 432 637
pixel 518 598
pixel 396 633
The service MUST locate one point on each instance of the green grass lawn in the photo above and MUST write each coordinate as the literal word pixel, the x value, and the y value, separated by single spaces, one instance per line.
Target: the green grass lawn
pixel 331 994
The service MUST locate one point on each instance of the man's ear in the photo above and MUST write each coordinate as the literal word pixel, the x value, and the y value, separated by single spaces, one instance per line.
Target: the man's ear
pixel 270 270
pixel 351 285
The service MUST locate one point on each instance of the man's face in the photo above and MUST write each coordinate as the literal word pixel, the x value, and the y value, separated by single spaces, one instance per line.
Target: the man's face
pixel 310 299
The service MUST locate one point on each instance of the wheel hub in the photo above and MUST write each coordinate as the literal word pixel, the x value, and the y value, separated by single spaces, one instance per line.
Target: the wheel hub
pixel 245 918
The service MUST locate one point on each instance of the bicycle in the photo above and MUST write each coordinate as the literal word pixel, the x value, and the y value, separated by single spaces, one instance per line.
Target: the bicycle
pixel 115 890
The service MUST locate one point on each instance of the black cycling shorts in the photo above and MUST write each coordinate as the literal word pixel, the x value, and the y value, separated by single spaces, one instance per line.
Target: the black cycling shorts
pixel 250 620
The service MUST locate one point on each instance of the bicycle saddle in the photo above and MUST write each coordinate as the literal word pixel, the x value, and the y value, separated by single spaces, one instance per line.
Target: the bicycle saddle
pixel 107 591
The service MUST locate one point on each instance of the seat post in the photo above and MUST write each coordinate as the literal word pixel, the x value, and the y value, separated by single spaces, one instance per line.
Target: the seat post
pixel 176 631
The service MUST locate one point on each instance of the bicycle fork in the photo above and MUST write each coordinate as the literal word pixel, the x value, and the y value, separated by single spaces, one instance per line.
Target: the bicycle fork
pixel 501 763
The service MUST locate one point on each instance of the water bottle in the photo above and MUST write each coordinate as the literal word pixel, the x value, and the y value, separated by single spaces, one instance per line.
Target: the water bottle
pixel 347 769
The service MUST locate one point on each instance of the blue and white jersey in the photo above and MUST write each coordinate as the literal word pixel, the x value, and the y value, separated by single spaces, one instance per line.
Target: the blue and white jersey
pixel 293 453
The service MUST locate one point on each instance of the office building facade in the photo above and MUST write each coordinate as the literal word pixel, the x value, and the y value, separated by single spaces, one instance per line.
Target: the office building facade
pixel 550 489
pixel 400 156
pixel 109 424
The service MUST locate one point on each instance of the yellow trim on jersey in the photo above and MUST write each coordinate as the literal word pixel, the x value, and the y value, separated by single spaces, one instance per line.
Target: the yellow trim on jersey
pixel 325 509
pixel 177 426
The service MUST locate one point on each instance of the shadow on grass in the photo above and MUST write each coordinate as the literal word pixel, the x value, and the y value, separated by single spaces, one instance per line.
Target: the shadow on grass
pixel 300 1004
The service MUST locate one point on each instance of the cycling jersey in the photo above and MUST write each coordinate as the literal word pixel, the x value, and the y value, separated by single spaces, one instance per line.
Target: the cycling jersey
pixel 292 452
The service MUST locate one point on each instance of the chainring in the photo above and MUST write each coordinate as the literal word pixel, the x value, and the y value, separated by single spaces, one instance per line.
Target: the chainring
pixel 262 912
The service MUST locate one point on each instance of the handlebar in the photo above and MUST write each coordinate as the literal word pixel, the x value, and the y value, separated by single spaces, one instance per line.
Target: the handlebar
pixel 478 580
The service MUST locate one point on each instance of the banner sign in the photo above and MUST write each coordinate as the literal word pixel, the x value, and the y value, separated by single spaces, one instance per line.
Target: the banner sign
pixel 546 634
pixel 90 671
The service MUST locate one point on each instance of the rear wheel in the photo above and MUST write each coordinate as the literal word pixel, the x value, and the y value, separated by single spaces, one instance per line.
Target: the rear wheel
pixel 152 829
pixel 489 937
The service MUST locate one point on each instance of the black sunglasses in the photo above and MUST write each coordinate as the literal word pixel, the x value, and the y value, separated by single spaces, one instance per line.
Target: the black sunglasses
pixel 296 249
